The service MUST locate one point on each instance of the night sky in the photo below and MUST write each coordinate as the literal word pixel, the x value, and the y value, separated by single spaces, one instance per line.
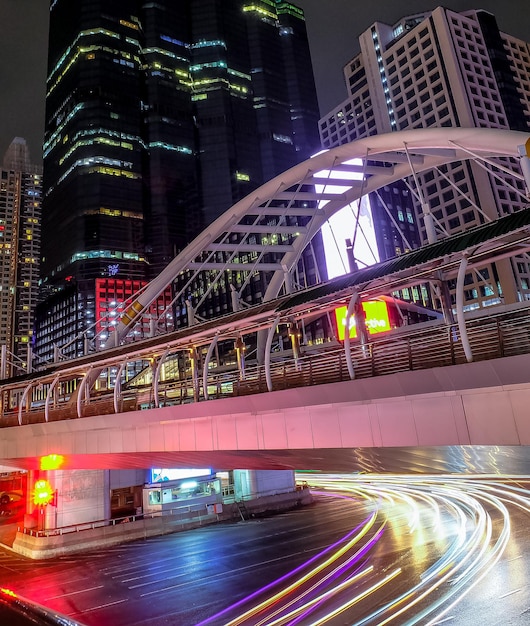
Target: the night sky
pixel 333 27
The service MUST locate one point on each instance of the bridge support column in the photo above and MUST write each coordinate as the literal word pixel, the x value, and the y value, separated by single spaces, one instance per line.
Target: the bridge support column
pixel 250 484
pixel 82 497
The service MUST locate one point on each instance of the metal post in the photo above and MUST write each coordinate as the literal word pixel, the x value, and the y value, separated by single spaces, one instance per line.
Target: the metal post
pixel 287 279
pixel 234 296
pixel 194 356
pixel 347 350
pixel 22 402
pixel 117 387
pixel 3 362
pixel 156 377
pixel 294 334
pixel 524 151
pixel 51 391
pixel 428 220
pixel 460 309
pixel 268 346
pixel 83 389
pixel 240 347
pixel 29 359
pixel 360 325
pixel 191 313
pixel 209 353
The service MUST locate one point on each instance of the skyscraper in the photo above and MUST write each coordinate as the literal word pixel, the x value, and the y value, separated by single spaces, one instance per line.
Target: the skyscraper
pixel 435 69
pixel 159 116
pixel 20 217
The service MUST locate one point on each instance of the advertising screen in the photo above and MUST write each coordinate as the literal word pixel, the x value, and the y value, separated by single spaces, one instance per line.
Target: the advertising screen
pixel 377 319
pixel 158 475
pixel 351 225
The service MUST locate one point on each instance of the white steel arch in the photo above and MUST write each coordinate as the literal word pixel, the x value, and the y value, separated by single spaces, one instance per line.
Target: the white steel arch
pixel 262 227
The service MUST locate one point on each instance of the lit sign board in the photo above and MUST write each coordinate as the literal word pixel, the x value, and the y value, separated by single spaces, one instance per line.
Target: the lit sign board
pixel 159 475
pixel 377 320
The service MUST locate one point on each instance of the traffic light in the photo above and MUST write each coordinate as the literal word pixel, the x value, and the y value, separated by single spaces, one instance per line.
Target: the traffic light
pixel 43 493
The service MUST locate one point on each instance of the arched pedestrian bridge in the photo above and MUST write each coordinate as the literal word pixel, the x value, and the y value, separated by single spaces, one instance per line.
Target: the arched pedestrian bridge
pixel 449 383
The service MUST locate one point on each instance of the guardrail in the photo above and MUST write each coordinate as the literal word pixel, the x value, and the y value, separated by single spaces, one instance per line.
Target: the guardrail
pixel 412 349
pixel 194 512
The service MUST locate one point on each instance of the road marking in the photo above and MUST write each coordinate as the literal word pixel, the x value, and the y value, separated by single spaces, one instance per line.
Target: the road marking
pixel 219 575
pixel 104 606
pixel 73 593
pixel 510 593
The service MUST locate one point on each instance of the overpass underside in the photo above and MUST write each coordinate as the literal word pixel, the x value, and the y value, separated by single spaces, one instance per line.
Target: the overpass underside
pixel 470 418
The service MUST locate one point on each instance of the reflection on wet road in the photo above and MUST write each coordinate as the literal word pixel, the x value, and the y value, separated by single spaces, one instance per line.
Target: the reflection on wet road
pixel 424 545
pixel 372 549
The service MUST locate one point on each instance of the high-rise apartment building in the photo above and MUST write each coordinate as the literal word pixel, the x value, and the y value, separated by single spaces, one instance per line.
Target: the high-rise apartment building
pixel 20 221
pixel 159 116
pixel 435 69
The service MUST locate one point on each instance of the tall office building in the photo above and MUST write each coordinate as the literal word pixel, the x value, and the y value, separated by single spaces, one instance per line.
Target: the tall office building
pixel 20 220
pixel 159 116
pixel 436 69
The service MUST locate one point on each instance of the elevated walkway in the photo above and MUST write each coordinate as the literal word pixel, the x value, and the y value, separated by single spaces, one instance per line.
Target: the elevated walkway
pixel 475 404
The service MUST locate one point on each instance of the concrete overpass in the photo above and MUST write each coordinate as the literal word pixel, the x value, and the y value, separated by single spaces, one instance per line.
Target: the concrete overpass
pixel 343 426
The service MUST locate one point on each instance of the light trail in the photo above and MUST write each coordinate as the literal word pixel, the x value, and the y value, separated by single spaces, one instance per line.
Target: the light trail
pixel 459 525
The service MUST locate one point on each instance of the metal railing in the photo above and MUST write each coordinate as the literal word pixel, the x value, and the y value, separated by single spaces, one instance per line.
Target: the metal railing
pixel 411 348
pixel 183 514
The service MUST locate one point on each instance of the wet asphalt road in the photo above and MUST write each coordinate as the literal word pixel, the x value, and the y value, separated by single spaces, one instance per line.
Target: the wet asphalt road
pixel 191 577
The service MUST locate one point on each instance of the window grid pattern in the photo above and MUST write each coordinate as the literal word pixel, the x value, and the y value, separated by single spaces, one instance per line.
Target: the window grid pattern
pixel 518 52
pixel 477 73
pixel 414 67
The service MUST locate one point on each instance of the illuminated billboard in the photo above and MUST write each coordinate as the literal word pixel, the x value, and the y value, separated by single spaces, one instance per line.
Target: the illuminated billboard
pixel 377 319
pixel 353 224
pixel 159 475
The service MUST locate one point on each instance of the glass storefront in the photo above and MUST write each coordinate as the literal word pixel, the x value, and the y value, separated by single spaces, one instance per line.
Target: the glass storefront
pixel 168 494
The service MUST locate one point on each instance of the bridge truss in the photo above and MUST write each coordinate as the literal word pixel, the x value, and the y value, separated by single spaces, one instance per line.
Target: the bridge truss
pixel 262 233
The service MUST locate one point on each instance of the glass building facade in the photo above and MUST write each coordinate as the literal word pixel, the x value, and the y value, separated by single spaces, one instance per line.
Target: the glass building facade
pixel 160 116
pixel 435 69
pixel 20 221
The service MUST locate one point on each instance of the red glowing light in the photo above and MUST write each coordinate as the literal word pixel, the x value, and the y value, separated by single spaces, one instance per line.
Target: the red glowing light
pixel 51 461
pixel 43 493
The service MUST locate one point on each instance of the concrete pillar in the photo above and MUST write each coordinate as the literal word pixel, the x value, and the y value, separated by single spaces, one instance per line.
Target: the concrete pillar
pixel 82 496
